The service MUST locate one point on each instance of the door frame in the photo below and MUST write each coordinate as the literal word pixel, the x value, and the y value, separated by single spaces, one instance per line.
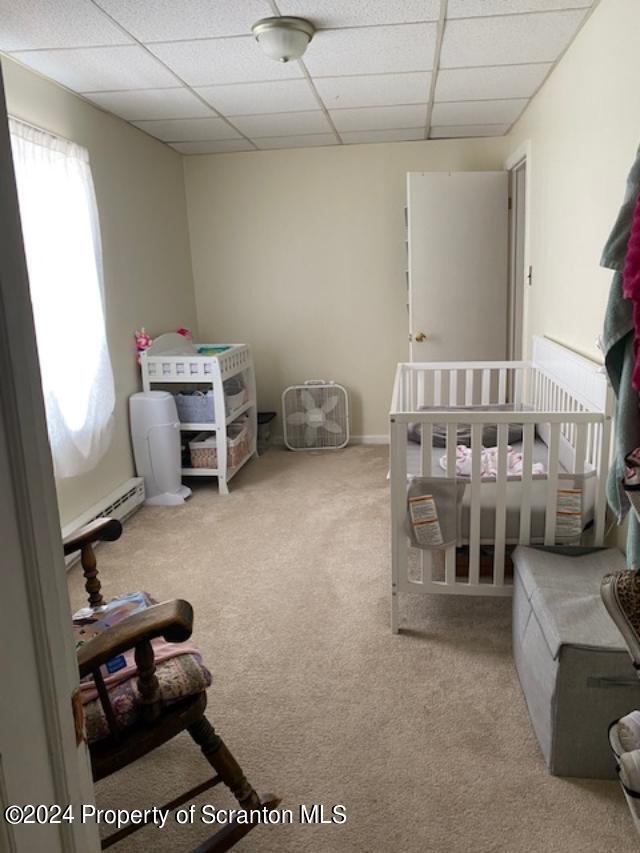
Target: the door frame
pixel 31 490
pixel 521 155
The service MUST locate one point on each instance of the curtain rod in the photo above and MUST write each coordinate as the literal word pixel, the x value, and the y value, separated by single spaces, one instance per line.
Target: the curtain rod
pixel 44 130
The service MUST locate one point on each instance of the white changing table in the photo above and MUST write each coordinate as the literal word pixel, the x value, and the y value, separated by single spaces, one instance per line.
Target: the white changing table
pixel 163 365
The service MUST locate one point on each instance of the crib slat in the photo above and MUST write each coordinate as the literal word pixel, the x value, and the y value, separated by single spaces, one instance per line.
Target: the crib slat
pixel 450 553
pixel 552 485
pixel 581 448
pixel 453 387
pixel 426 444
pixel 518 388
pixel 502 385
pixel 474 512
pixel 501 507
pixel 468 391
pixel 486 385
pixel 525 498
pixel 437 387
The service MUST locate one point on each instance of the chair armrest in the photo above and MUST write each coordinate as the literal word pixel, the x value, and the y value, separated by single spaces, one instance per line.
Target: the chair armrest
pixel 172 620
pixel 100 530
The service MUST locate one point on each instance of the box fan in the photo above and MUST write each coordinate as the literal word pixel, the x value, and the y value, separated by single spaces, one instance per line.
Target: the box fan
pixel 315 416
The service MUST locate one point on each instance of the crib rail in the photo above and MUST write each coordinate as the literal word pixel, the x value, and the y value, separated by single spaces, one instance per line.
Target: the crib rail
pixel 574 423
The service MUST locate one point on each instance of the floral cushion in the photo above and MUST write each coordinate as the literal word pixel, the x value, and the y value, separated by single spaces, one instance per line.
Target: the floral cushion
pixel 179 668
pixel 178 678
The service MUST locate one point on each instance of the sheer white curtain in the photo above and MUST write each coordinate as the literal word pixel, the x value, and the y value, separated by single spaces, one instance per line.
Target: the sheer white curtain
pixel 64 259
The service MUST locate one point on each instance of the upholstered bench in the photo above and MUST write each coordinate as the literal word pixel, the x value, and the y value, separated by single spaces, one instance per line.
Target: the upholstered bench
pixel 573 666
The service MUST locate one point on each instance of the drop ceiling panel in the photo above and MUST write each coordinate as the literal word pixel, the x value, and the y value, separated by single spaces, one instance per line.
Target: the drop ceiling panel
pixel 32 24
pixel 216 61
pixel 151 104
pixel 249 98
pixel 468 84
pixel 188 130
pixel 360 13
pixel 94 69
pixel 479 8
pixel 509 39
pixel 469 131
pixel 380 118
pixel 283 124
pixel 405 135
pixel 310 140
pixel 170 20
pixel 375 90
pixel 372 50
pixel 220 146
pixel 477 112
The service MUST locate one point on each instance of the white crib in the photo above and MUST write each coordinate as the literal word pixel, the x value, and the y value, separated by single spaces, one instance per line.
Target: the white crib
pixel 564 405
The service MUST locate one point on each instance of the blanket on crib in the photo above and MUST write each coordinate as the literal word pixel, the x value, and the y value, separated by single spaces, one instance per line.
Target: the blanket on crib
pixel 489 463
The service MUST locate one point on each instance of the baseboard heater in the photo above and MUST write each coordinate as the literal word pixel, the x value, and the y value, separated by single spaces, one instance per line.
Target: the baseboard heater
pixel 120 504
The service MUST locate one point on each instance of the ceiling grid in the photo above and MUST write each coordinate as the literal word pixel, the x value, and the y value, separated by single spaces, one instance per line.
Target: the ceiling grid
pixel 190 73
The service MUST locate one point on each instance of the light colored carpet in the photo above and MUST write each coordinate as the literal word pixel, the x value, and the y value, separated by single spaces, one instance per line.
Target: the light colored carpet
pixel 424 736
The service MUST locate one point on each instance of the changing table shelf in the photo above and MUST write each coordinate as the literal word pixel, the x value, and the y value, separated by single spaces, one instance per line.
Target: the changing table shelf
pixel 168 362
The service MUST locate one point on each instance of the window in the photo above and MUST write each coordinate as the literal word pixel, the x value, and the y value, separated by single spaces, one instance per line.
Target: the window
pixel 62 244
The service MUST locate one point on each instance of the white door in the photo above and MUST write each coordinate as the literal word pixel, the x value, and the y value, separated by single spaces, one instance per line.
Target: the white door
pixel 458 265
pixel 42 758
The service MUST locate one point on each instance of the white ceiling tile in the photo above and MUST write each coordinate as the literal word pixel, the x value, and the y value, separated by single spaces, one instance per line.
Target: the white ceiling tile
pixel 279 96
pixel 309 140
pixel 219 146
pixel 170 20
pixel 507 40
pixel 32 24
pixel 469 131
pixel 217 61
pixel 503 81
pixel 372 50
pixel 94 69
pixel 479 8
pixel 380 118
pixel 151 104
pixel 376 90
pixel 477 112
pixel 360 13
pixel 405 135
pixel 188 130
pixel 282 124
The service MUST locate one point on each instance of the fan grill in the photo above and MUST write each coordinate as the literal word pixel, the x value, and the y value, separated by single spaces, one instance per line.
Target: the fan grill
pixel 315 417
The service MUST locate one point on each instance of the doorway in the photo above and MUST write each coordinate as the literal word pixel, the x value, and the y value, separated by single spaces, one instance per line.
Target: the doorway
pixel 519 271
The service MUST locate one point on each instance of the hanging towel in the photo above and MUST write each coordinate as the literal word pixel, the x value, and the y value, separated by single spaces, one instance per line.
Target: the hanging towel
pixel 618 346
pixel 631 285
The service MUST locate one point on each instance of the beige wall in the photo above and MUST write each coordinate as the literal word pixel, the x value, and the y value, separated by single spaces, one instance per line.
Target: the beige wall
pixel 584 128
pixel 147 266
pixel 301 254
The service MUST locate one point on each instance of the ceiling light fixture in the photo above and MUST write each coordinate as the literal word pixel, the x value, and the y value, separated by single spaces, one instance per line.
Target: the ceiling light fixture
pixel 283 38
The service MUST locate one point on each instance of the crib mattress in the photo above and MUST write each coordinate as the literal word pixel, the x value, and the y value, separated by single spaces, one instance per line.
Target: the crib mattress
pixel 537 493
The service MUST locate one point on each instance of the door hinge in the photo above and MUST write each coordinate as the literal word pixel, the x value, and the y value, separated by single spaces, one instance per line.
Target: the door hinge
pixel 530 276
pixel 510 203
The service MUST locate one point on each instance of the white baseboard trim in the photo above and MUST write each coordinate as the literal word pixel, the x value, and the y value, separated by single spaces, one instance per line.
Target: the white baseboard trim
pixel 278 440
pixel 369 439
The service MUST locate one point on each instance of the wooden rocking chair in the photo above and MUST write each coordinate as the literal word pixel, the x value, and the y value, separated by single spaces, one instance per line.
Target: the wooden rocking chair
pixel 157 721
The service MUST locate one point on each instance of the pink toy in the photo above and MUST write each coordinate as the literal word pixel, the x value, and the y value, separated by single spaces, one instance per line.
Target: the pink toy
pixel 143 341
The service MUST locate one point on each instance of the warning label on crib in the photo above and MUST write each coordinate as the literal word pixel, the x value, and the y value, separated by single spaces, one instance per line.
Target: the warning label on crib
pixel 424 520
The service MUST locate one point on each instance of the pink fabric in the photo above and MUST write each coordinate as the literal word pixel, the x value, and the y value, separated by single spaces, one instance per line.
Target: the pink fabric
pixel 89 623
pixel 631 286
pixel 161 651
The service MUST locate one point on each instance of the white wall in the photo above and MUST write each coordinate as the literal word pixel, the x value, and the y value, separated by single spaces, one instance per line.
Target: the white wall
pixel 147 264
pixel 301 253
pixel 584 127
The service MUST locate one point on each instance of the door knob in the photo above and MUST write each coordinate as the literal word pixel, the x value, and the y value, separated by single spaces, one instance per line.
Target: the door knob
pixel 420 337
